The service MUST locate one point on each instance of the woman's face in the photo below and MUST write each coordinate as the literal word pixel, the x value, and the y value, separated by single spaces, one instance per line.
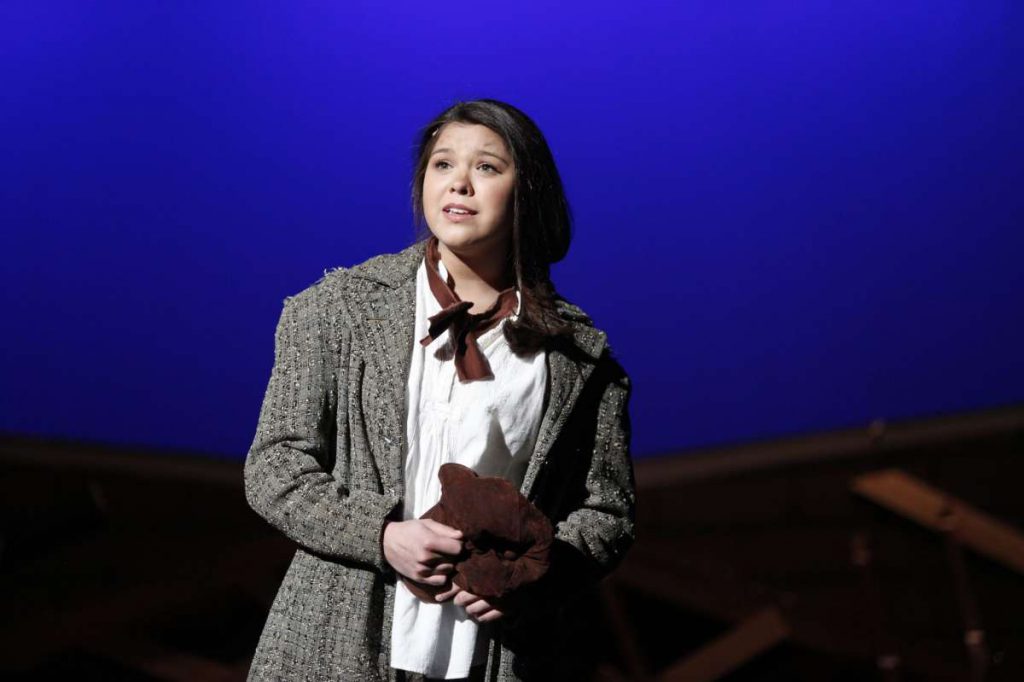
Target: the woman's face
pixel 467 190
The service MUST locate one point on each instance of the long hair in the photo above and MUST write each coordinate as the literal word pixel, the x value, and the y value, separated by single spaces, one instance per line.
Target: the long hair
pixel 541 218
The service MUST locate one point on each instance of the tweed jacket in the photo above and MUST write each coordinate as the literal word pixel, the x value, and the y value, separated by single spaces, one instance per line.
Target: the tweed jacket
pixel 325 468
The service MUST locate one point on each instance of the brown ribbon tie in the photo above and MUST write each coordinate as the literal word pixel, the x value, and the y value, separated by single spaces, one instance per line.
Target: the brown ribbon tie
pixel 466 327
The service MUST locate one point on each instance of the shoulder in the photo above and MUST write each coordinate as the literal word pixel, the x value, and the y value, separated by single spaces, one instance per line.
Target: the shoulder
pixel 337 284
pixel 570 312
pixel 589 335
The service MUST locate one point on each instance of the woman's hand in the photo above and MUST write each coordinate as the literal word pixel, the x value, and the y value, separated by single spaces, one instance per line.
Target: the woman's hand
pixel 476 607
pixel 421 549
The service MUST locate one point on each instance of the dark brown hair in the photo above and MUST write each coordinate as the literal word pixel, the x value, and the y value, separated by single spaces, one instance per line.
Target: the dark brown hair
pixel 541 219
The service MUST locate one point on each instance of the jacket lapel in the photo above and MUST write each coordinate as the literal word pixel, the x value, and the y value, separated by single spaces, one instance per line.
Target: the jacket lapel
pixel 387 315
pixel 566 377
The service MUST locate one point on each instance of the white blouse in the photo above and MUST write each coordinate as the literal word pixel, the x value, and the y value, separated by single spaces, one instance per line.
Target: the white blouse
pixel 488 425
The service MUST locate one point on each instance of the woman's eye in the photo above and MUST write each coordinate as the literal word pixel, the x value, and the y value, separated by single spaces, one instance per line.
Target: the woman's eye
pixel 488 167
pixel 441 164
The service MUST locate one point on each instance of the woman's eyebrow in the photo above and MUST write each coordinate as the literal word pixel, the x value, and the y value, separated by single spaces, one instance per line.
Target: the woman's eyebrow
pixel 446 150
pixel 499 158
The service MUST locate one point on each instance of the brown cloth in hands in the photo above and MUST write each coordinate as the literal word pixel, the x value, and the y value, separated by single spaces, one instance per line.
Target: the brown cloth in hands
pixel 506 539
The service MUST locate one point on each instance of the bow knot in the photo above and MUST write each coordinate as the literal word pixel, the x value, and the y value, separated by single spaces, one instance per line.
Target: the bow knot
pixel 465 326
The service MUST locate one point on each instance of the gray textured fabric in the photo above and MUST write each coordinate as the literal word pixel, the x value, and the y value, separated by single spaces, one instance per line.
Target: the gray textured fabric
pixel 325 468
pixel 476 674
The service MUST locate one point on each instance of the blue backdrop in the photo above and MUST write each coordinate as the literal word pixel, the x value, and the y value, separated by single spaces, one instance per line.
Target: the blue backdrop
pixel 789 216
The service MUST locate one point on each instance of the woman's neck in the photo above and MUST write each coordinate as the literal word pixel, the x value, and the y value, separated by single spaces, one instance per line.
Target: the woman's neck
pixel 479 279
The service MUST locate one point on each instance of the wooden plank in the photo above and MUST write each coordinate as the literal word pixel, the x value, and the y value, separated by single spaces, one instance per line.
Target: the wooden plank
pixel 676 468
pixel 151 463
pixel 751 637
pixel 935 509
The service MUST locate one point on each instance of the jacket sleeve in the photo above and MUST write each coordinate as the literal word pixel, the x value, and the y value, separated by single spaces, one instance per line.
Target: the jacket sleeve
pixel 592 538
pixel 602 526
pixel 287 470
pixel 595 491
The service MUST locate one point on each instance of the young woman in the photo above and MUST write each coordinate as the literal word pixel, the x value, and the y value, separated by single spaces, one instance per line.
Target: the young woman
pixel 456 349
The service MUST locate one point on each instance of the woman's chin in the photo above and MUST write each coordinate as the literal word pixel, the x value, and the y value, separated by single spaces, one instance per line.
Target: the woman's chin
pixel 469 241
pixel 458 238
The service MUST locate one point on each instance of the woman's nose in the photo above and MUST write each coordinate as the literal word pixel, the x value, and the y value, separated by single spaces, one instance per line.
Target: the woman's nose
pixel 460 185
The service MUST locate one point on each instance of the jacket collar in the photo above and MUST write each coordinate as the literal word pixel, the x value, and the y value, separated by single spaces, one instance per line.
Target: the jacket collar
pixel 397 269
pixel 393 306
pixel 391 269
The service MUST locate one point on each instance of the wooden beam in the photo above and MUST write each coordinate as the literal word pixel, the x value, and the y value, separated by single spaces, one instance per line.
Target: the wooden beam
pixel 671 469
pixel 751 637
pixel 938 510
pixel 142 462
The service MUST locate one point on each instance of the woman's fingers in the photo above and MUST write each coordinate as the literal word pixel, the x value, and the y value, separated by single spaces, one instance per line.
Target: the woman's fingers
pixel 482 611
pixel 434 574
pixel 441 529
pixel 478 609
pixel 448 594
pixel 433 580
pixel 464 598
pixel 441 546
pixel 415 548
pixel 493 614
